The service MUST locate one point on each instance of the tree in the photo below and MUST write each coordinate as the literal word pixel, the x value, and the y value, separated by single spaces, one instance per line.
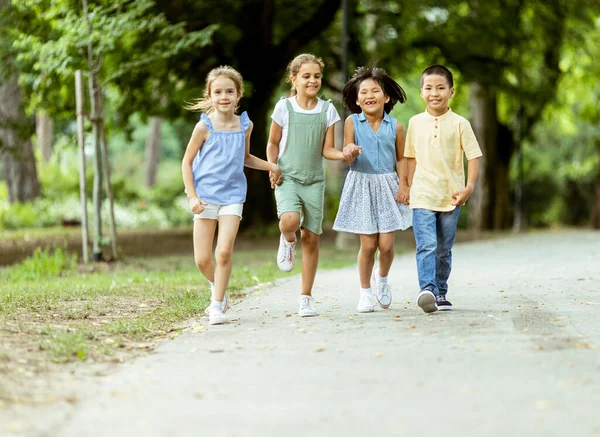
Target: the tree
pixel 508 50
pixel 15 128
pixel 105 40
pixel 259 38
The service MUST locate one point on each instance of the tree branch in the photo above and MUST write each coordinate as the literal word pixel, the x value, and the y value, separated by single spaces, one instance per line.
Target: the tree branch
pixel 310 29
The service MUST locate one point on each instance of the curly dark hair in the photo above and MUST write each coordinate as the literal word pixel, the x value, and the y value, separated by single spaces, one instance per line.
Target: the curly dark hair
pixel 388 85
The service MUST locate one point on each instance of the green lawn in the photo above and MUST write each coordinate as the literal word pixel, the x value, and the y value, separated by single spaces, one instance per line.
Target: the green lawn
pixel 53 309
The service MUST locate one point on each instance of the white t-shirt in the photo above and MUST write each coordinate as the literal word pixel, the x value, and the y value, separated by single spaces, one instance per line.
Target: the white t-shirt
pixel 281 116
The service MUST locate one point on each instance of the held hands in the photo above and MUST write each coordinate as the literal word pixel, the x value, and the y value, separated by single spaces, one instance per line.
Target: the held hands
pixel 459 198
pixel 197 205
pixel 351 151
pixel 403 195
pixel 275 176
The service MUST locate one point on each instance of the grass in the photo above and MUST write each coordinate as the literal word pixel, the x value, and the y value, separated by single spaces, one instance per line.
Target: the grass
pixel 53 310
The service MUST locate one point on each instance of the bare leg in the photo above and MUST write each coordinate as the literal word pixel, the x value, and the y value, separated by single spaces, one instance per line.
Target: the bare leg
pixel 386 252
pixel 288 225
pixel 228 228
pixel 310 260
pixel 366 258
pixel 204 233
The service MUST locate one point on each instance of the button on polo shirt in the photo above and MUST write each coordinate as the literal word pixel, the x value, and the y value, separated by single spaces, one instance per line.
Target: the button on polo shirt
pixel 439 144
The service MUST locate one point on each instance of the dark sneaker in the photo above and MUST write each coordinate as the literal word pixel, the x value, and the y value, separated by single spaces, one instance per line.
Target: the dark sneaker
pixel 442 303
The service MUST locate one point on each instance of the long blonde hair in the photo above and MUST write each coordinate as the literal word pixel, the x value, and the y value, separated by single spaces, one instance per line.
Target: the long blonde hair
pixel 294 67
pixel 204 104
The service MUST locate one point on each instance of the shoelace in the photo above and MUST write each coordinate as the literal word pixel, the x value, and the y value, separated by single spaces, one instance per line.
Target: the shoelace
pixel 288 252
pixel 291 252
pixel 384 290
pixel 441 299
pixel 305 303
pixel 365 299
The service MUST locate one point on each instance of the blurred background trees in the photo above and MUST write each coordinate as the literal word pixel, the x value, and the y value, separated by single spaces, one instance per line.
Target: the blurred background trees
pixel 526 76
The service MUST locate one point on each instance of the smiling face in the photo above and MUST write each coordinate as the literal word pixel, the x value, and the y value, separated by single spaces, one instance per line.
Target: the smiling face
pixel 436 92
pixel 371 97
pixel 308 79
pixel 224 94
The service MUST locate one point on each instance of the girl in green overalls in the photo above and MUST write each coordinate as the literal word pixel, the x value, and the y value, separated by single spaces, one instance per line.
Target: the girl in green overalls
pixel 301 134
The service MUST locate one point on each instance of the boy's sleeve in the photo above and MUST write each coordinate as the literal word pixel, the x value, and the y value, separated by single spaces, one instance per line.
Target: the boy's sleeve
pixel 279 113
pixel 332 115
pixel 409 147
pixel 468 141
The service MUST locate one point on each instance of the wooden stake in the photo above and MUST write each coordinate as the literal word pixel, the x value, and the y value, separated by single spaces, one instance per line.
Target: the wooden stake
pixel 79 96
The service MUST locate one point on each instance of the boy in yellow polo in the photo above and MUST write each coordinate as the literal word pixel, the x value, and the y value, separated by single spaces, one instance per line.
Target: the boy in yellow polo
pixel 435 143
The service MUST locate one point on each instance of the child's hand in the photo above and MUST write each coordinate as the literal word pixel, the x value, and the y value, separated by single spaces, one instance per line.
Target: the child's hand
pixel 403 195
pixel 197 205
pixel 459 198
pixel 351 151
pixel 275 176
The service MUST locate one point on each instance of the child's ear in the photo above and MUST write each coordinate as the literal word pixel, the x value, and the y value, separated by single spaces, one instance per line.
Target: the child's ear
pixel 387 98
pixel 451 92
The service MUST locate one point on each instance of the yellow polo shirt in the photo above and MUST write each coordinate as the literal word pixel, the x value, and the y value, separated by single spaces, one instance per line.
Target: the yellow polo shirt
pixel 438 144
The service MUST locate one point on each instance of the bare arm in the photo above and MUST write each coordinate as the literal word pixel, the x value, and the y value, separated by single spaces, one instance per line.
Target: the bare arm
pixel 256 163
pixel 401 167
pixel 460 197
pixel 412 166
pixel 275 134
pixel 351 150
pixel 329 150
pixel 199 136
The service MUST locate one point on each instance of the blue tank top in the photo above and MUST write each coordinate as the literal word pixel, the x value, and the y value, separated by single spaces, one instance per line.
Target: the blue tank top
pixel 219 165
pixel 378 149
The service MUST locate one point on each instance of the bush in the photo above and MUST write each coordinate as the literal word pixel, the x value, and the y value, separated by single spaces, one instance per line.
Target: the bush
pixel 43 263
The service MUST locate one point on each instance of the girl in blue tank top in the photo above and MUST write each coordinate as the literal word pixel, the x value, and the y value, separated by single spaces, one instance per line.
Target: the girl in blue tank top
pixel 375 195
pixel 213 174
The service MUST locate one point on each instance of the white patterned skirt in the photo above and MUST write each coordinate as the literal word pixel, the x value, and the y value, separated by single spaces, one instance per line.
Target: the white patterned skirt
pixel 367 205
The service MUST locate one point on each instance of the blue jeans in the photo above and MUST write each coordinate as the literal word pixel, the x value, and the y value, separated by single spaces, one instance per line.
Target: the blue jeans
pixel 435 233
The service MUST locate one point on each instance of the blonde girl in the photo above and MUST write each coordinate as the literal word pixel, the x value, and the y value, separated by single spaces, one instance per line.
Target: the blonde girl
pixel 213 174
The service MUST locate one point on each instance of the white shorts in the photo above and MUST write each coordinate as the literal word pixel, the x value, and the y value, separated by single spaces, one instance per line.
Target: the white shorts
pixel 212 211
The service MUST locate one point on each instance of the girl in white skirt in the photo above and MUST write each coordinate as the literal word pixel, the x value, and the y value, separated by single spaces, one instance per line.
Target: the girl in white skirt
pixel 376 193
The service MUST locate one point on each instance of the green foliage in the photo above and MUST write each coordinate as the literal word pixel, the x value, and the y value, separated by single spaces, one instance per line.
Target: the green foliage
pixel 43 264
pixel 129 40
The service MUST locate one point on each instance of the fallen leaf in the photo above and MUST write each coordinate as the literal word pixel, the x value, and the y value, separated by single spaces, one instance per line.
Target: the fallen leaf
pixel 321 349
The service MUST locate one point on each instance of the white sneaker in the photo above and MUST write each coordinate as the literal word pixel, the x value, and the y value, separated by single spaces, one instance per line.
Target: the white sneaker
pixel 383 293
pixel 426 300
pixel 286 255
pixel 225 305
pixel 215 315
pixel 307 306
pixel 365 302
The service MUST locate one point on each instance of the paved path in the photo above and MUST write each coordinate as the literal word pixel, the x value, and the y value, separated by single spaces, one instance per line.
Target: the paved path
pixel 519 356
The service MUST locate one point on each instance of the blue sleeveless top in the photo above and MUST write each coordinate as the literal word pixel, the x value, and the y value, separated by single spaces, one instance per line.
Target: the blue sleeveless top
pixel 219 165
pixel 378 149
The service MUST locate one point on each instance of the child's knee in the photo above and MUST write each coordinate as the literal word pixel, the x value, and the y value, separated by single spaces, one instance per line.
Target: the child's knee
pixel 223 255
pixel 289 222
pixel 203 262
pixel 368 249
pixel 309 239
pixel 386 249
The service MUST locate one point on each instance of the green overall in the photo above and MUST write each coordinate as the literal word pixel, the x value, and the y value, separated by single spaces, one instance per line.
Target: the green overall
pixel 303 186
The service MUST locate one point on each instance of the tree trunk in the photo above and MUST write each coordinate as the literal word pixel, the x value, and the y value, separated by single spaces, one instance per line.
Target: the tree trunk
pixel 15 142
pixel 43 128
pixel 153 150
pixel 483 119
